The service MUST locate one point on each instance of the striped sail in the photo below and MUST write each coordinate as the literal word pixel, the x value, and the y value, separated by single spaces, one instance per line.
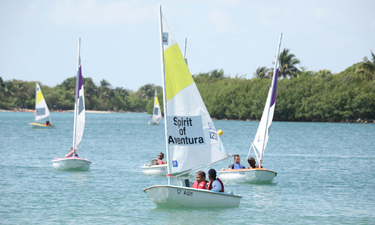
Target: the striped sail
pixel 41 109
pixel 263 132
pixel 79 106
pixel 156 113
pixel 191 136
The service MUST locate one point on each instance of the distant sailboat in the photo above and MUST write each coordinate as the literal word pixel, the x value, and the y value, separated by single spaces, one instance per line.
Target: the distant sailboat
pixel 191 137
pixel 259 175
pixel 156 114
pixel 75 162
pixel 41 110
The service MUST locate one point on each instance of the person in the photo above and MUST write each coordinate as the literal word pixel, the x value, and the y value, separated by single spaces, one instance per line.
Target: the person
pixel 201 182
pixel 71 153
pixel 252 163
pixel 47 123
pixel 215 184
pixel 237 163
pixel 158 161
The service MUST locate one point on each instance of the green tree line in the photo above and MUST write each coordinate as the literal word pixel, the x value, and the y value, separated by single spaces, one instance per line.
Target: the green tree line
pixel 302 95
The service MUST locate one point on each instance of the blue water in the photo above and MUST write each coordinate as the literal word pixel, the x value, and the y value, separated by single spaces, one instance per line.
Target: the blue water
pixel 325 173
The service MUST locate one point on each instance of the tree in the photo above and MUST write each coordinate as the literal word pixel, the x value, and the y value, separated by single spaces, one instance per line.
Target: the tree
pixel 287 64
pixel 262 72
pixel 367 65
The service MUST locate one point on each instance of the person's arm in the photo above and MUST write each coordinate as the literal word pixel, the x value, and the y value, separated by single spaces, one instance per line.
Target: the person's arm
pixel 68 155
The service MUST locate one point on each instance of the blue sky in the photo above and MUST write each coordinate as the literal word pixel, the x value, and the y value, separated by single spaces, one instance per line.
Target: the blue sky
pixel 120 39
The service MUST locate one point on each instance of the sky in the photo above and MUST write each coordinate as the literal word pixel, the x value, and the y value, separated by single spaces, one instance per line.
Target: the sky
pixel 120 39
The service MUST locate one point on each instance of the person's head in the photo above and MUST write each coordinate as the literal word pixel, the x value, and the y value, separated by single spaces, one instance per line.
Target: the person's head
pixel 201 176
pixel 251 162
pixel 71 149
pixel 212 174
pixel 161 156
pixel 237 159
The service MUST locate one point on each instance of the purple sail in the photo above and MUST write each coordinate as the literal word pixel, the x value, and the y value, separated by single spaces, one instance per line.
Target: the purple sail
pixel 273 99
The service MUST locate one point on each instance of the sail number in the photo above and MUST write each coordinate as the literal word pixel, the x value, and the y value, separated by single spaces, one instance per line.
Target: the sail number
pixel 188 193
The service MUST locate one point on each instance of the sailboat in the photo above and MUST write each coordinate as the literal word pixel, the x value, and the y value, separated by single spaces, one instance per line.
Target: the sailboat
pixel 41 110
pixel 259 174
pixel 156 112
pixel 75 162
pixel 191 138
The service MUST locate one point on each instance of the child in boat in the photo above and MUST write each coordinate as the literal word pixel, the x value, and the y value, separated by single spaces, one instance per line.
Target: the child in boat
pixel 201 182
pixel 47 123
pixel 237 163
pixel 158 161
pixel 252 164
pixel 215 184
pixel 71 153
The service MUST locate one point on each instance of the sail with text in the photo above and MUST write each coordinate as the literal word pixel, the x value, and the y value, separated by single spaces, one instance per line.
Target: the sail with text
pixel 156 113
pixel 261 138
pixel 41 109
pixel 79 106
pixel 191 136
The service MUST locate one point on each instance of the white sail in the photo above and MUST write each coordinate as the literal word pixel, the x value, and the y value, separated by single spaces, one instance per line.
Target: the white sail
pixel 191 136
pixel 41 109
pixel 263 132
pixel 79 106
pixel 156 112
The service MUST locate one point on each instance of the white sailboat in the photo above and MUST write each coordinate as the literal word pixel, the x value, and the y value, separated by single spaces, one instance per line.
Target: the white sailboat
pixel 191 137
pixel 156 112
pixel 41 110
pixel 260 174
pixel 75 162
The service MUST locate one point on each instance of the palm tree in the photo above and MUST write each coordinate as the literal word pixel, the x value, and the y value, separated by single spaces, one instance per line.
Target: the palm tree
pixel 287 64
pixel 146 91
pixel 262 72
pixel 367 65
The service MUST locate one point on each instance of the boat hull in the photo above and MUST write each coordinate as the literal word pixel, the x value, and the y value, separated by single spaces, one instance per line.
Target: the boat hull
pixel 41 126
pixel 153 123
pixel 158 170
pixel 72 163
pixel 247 176
pixel 168 196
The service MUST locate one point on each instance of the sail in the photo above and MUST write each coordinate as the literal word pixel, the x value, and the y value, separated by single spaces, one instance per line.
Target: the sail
pixel 41 109
pixel 191 136
pixel 156 113
pixel 263 132
pixel 79 106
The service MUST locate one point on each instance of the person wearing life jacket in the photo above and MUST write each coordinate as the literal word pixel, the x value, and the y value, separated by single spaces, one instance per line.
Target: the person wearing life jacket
pixel 236 165
pixel 252 163
pixel 215 183
pixel 201 182
pixel 158 161
pixel 71 153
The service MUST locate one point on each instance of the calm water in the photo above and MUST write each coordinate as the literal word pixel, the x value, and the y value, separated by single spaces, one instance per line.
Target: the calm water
pixel 325 173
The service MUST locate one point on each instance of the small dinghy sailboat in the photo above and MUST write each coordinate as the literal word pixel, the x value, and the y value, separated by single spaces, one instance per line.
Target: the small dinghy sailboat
pixel 75 162
pixel 259 175
pixel 41 110
pixel 156 112
pixel 191 138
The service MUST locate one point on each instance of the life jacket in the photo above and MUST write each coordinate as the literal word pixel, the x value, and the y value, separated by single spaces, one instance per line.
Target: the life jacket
pixel 209 185
pixel 160 162
pixel 154 162
pixel 201 185
pixel 237 166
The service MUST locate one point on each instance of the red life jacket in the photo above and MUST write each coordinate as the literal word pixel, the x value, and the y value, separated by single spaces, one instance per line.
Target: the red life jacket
pixel 201 185
pixel 209 185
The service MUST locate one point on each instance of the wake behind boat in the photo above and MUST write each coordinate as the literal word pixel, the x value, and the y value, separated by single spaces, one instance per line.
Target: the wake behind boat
pixel 74 162
pixel 191 137
pixel 41 111
pixel 259 175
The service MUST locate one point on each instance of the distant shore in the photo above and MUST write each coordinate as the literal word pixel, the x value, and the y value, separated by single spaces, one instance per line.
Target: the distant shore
pixel 69 111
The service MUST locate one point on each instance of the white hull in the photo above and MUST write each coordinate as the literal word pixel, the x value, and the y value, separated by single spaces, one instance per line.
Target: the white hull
pixel 175 196
pixel 72 163
pixel 153 123
pixel 247 176
pixel 154 170
pixel 41 126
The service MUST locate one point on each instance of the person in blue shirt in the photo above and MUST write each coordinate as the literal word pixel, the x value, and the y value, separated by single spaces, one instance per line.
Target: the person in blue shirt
pixel 237 163
pixel 71 153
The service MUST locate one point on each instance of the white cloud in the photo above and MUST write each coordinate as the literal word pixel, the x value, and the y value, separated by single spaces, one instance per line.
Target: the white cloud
pixel 91 13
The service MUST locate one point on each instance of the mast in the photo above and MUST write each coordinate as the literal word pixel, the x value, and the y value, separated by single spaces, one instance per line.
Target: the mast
pixel 268 108
pixel 36 93
pixel 164 93
pixel 185 44
pixel 76 97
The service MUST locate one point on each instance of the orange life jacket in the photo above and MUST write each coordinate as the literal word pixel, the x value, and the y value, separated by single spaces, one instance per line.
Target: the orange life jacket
pixel 201 185
pixel 209 185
